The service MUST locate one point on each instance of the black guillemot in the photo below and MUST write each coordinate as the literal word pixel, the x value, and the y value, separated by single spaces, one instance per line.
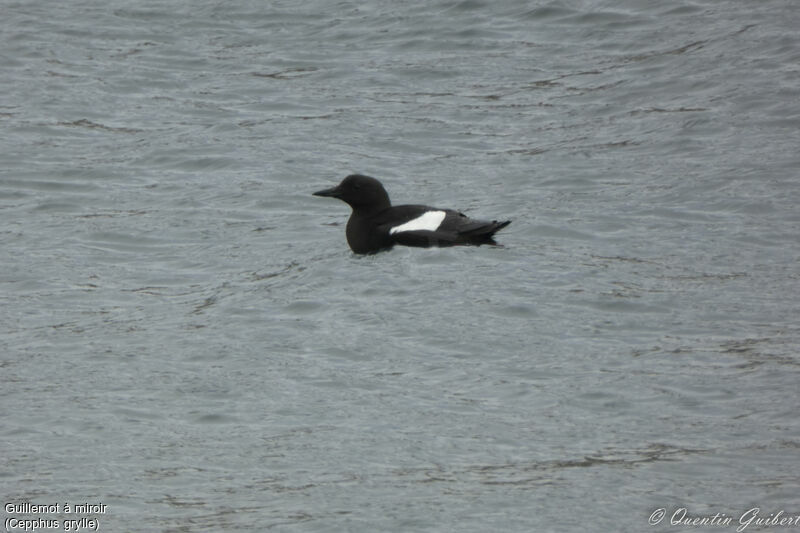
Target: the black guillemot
pixel 376 224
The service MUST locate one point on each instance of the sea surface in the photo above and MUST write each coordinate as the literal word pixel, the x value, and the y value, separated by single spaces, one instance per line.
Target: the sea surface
pixel 186 338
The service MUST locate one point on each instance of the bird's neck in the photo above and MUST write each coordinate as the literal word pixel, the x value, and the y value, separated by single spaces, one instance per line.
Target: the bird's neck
pixel 372 207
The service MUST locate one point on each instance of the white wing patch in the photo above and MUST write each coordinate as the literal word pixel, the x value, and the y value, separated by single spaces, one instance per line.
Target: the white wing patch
pixel 428 221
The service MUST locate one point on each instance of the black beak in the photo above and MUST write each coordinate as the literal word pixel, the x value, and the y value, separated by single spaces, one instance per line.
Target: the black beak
pixel 333 192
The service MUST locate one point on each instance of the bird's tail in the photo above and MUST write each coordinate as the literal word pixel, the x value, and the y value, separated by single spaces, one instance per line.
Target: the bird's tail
pixel 483 233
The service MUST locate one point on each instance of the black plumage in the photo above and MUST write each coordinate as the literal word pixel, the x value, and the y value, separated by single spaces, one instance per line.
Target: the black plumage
pixel 376 225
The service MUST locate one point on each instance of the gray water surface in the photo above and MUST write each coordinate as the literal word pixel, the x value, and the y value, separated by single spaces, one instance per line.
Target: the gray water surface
pixel 186 338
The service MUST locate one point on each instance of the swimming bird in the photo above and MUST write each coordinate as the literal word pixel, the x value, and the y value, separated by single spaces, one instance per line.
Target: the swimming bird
pixel 375 224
